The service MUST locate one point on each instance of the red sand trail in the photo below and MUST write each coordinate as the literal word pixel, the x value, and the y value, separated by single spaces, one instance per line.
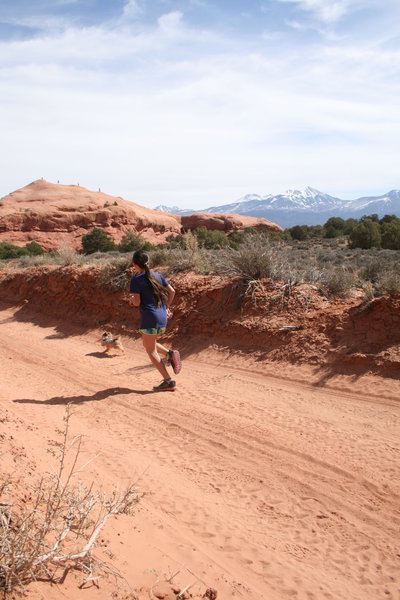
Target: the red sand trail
pixel 261 481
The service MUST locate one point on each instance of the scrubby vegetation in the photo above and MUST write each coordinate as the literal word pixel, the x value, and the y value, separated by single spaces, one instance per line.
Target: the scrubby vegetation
pixel 98 241
pixel 367 232
pixel 336 257
pixel 8 250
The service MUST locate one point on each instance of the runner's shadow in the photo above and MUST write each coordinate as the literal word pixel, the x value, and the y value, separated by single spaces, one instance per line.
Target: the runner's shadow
pixel 102 395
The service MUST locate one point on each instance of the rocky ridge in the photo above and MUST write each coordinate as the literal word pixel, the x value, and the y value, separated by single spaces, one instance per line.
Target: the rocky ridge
pixel 55 214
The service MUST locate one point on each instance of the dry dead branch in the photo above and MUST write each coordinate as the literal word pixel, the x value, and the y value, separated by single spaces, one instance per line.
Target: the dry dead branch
pixel 61 525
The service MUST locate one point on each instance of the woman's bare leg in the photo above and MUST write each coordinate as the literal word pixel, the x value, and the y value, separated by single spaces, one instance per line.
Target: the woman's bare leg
pixel 150 345
pixel 161 349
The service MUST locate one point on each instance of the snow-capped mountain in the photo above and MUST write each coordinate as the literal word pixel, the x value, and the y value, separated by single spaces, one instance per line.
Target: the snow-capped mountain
pixel 174 210
pixel 307 199
pixel 304 207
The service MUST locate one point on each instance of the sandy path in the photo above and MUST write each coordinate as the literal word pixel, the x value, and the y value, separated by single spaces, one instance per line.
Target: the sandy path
pixel 257 486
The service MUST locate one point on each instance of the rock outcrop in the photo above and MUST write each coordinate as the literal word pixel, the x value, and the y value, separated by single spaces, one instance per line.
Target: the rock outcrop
pixel 226 223
pixel 54 214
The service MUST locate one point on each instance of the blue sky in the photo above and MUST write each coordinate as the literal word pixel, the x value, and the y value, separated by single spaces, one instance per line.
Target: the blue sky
pixel 198 102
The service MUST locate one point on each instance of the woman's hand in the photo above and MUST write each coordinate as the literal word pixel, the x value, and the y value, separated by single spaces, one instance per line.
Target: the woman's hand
pixel 170 314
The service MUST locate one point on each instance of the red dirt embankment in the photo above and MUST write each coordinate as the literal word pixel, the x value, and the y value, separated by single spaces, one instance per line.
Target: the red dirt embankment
pixel 303 326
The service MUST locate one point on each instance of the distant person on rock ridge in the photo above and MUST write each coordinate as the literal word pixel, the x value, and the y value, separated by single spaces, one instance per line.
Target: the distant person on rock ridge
pixel 154 295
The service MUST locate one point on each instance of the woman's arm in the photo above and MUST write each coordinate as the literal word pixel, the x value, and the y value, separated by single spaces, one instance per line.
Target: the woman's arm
pixel 135 299
pixel 171 295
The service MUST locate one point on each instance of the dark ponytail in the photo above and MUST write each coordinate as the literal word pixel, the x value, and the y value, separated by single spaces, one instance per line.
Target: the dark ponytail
pixel 141 259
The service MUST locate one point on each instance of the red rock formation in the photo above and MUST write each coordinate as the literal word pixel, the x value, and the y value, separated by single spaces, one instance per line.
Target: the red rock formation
pixel 53 214
pixel 226 223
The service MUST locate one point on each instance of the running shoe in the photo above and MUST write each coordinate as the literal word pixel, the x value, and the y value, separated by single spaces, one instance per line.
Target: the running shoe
pixel 174 359
pixel 167 385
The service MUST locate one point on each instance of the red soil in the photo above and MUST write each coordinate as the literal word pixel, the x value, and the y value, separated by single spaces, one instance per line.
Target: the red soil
pixel 303 327
pixel 272 471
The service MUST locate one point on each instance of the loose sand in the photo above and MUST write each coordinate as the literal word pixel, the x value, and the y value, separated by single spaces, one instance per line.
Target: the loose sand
pixel 259 482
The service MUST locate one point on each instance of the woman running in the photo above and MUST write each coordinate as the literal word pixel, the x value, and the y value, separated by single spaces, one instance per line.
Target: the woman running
pixel 154 295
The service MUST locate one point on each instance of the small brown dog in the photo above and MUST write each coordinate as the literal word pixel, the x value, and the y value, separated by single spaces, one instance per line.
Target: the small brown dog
pixel 109 342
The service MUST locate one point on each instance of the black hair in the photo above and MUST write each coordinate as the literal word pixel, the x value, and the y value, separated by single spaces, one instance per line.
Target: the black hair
pixel 161 294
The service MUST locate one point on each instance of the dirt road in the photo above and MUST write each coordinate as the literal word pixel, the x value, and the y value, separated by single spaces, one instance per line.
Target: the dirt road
pixel 256 485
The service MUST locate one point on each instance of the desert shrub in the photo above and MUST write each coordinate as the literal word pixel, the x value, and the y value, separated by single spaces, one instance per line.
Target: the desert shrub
pixel 389 282
pixel 131 241
pixel 58 525
pixel 338 282
pixel 26 261
pixel 252 260
pixel 97 240
pixel 116 274
pixel 148 247
pixel 210 239
pixel 372 270
pixel 391 234
pixel 369 290
pixel 324 256
pixel 236 238
pixel 316 231
pixel 161 256
pixel 34 249
pixel 175 241
pixel 374 218
pixel 299 232
pixel 8 250
pixel 334 227
pixel 68 255
pixel 349 225
pixel 191 257
pixel 365 235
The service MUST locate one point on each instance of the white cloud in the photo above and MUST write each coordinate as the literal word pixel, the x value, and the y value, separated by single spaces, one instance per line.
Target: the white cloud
pixel 328 11
pixel 132 9
pixel 170 23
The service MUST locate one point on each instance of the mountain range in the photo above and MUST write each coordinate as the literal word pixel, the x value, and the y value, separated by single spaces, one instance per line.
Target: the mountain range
pixel 302 207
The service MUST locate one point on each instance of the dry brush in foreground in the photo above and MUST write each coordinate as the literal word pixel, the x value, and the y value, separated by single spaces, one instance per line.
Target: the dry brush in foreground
pixel 59 524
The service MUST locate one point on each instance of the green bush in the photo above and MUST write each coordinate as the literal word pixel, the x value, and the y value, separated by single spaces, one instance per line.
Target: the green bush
pixel 34 249
pixel 97 241
pixel 299 232
pixel 148 246
pixel 349 225
pixel 391 235
pixel 334 227
pixel 8 250
pixel 365 235
pixel 160 256
pixel 175 241
pixel 211 239
pixel 130 242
